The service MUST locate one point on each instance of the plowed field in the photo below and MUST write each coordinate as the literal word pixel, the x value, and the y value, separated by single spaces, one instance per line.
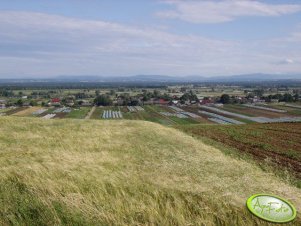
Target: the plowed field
pixel 280 143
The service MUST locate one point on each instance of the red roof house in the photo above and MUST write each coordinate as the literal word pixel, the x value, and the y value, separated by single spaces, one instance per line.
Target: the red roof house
pixel 56 100
pixel 162 101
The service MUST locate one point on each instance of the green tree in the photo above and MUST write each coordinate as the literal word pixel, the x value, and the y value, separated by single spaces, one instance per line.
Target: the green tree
pixel 225 99
pixel 112 92
pixel 259 92
pixel 156 93
pixel 288 97
pixel 296 97
pixel 19 102
pixel 103 100
pixel 33 103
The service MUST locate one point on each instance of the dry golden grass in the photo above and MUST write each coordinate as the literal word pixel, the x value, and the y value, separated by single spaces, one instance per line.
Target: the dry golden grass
pixel 87 172
pixel 27 112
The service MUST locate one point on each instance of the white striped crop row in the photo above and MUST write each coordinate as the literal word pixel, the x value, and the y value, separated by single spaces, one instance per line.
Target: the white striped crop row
pixel 219 121
pixel 229 120
pixel 254 119
pixel 109 114
pixel 179 115
pixel 176 109
pixel 190 114
pixel 135 108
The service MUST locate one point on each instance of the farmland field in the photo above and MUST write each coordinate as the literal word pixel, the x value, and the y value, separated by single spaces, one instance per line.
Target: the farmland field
pixel 124 173
pixel 183 121
pixel 49 111
pixel 149 114
pixel 15 110
pixel 290 110
pixel 79 113
pixel 27 111
pixel 240 109
pixel 175 119
pixel 4 110
pixel 97 113
pixel 279 143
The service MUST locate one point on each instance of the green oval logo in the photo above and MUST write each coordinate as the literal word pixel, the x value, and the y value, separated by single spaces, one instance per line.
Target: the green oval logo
pixel 271 208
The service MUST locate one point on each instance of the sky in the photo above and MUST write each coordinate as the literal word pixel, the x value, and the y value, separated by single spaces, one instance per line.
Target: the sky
pixel 49 38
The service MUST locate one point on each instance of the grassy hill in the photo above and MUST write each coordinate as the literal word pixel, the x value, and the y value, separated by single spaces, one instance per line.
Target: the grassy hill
pixel 87 172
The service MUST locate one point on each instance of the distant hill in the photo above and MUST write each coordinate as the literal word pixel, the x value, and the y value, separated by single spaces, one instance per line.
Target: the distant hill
pixel 166 78
pixel 256 77
pixel 161 78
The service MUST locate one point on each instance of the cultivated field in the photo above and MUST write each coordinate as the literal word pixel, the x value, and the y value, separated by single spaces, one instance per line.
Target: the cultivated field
pixel 278 143
pixel 160 114
pixel 79 113
pixel 292 109
pixel 97 113
pixel 253 112
pixel 228 115
pixel 123 173
pixel 150 113
pixel 4 110
pixel 14 110
pixel 27 111
pixel 170 115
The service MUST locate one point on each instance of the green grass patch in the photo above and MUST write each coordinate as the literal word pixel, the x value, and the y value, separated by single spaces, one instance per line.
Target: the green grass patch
pixel 79 113
pixel 97 114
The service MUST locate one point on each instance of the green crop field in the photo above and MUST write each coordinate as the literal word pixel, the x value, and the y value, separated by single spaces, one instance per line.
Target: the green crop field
pixel 149 114
pixel 79 113
pixel 124 172
pixel 183 121
pixel 290 110
pixel 97 113
pixel 4 110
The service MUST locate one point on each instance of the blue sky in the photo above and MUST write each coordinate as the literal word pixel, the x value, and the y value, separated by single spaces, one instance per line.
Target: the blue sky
pixel 44 38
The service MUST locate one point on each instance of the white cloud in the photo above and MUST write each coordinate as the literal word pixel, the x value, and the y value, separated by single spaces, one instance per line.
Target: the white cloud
pixel 98 43
pixel 95 36
pixel 286 61
pixel 42 44
pixel 223 11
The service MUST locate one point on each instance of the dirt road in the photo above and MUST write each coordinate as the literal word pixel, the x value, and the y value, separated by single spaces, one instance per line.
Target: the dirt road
pixel 88 116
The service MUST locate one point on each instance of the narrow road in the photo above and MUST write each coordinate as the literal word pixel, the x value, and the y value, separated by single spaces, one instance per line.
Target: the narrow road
pixel 88 116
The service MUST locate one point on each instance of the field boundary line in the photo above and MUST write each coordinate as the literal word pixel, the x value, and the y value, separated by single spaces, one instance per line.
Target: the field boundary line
pixel 88 116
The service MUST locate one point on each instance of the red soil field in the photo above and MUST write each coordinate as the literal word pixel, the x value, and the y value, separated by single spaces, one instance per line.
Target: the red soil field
pixel 278 142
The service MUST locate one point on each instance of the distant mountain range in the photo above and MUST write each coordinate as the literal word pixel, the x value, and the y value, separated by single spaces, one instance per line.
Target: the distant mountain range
pixel 161 78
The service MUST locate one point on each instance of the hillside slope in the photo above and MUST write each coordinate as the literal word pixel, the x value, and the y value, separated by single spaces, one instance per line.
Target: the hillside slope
pixel 86 172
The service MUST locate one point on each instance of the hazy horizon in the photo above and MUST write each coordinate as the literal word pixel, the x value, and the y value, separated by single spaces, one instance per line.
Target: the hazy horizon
pixel 44 39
